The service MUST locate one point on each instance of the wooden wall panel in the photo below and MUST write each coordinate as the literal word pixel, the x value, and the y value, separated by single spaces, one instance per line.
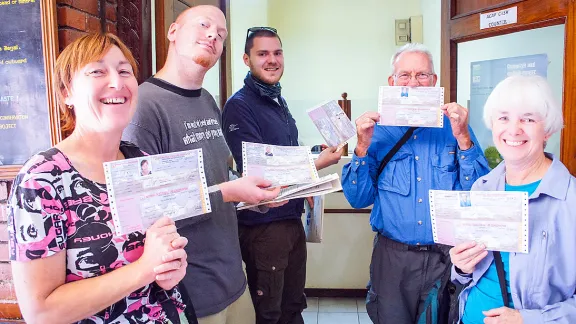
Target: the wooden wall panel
pixel 460 8
pixel 536 13
pixel 134 29
pixel 568 143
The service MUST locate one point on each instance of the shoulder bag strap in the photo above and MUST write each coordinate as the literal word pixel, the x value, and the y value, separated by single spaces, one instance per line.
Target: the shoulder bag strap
pixel 501 277
pixel 395 149
pixel 189 311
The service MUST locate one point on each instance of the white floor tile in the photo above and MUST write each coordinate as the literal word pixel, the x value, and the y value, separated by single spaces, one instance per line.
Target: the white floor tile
pixel 338 318
pixel 312 304
pixel 337 305
pixel 364 319
pixel 310 317
pixel 361 305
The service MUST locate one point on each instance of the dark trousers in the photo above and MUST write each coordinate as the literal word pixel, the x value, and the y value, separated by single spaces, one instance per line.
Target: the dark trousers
pixel 275 257
pixel 401 278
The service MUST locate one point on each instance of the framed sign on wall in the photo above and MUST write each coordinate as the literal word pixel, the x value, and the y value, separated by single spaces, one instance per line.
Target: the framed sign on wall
pixel 29 117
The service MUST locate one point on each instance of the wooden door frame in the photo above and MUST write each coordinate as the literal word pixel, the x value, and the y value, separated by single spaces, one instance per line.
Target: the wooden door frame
pixel 463 28
pixel 162 16
pixel 135 30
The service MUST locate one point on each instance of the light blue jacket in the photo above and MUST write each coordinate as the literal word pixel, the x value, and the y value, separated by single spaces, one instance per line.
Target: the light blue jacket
pixel 542 282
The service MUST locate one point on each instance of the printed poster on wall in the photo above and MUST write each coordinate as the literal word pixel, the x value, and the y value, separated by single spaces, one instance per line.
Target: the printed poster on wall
pixel 485 75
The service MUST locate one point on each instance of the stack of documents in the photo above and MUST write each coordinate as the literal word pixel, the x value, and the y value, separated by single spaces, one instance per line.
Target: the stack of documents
pixel 322 186
pixel 142 190
pixel 291 167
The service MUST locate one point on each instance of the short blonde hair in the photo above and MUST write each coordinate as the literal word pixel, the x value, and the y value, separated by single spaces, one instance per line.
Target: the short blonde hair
pixel 526 94
pixel 84 50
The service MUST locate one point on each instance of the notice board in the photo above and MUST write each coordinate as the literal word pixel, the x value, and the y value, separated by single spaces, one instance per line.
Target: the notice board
pixel 29 120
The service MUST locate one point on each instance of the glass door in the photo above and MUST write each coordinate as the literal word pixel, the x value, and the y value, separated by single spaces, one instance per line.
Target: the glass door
pixel 485 62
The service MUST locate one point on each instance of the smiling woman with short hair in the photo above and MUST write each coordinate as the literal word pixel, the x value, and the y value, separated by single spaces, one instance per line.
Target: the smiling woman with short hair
pixel 540 285
pixel 67 263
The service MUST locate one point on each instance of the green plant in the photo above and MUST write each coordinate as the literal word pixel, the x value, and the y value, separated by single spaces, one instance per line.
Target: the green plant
pixel 493 156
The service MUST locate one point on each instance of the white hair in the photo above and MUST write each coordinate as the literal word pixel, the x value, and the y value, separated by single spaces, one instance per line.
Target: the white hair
pixel 525 94
pixel 412 48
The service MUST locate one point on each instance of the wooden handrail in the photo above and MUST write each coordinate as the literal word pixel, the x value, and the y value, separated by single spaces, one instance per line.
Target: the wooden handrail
pixel 346 105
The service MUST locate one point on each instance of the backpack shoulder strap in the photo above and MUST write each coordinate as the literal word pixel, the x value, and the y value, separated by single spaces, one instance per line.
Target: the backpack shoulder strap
pixel 130 150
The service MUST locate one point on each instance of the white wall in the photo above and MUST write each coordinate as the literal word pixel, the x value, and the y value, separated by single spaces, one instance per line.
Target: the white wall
pixel 212 82
pixel 243 15
pixel 342 260
pixel 432 18
pixel 335 46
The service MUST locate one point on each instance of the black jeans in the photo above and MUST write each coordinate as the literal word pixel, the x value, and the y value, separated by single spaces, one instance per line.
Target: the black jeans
pixel 275 257
pixel 401 277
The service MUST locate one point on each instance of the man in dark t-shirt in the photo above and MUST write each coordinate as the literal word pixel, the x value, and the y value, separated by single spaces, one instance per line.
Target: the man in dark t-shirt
pixel 175 114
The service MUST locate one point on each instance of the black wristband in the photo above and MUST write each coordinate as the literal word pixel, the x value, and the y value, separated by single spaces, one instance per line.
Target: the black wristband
pixel 463 274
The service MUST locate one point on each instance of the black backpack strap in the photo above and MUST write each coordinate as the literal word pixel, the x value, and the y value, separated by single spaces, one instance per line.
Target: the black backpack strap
pixel 130 150
pixel 501 277
pixel 395 149
pixel 189 310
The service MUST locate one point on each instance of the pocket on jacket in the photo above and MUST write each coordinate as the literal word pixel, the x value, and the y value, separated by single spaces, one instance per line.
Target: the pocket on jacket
pixel 540 279
pixel 445 166
pixel 396 175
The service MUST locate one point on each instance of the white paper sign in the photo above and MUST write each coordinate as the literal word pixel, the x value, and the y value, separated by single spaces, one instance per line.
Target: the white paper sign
pixel 499 18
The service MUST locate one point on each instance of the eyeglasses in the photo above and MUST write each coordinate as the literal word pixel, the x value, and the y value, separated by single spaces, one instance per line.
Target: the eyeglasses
pixel 257 29
pixel 421 76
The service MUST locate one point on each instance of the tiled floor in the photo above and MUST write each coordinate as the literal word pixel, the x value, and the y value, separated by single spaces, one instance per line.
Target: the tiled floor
pixel 336 311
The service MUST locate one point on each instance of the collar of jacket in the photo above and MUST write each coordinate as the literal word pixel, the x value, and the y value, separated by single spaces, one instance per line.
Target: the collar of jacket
pixel 249 82
pixel 555 182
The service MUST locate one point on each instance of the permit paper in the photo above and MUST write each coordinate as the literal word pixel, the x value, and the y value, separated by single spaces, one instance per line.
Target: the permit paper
pixel 416 107
pixel 282 165
pixel 142 190
pixel 325 185
pixel 499 219
pixel 314 218
pixel 333 124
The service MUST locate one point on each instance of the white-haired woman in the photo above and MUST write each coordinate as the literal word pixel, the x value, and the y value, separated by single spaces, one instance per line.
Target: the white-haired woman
pixel 540 285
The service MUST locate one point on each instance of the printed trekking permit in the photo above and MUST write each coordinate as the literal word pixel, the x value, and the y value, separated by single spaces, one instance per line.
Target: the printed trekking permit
pixel 314 225
pixel 332 123
pixel 325 185
pixel 499 219
pixel 144 189
pixel 416 107
pixel 282 165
